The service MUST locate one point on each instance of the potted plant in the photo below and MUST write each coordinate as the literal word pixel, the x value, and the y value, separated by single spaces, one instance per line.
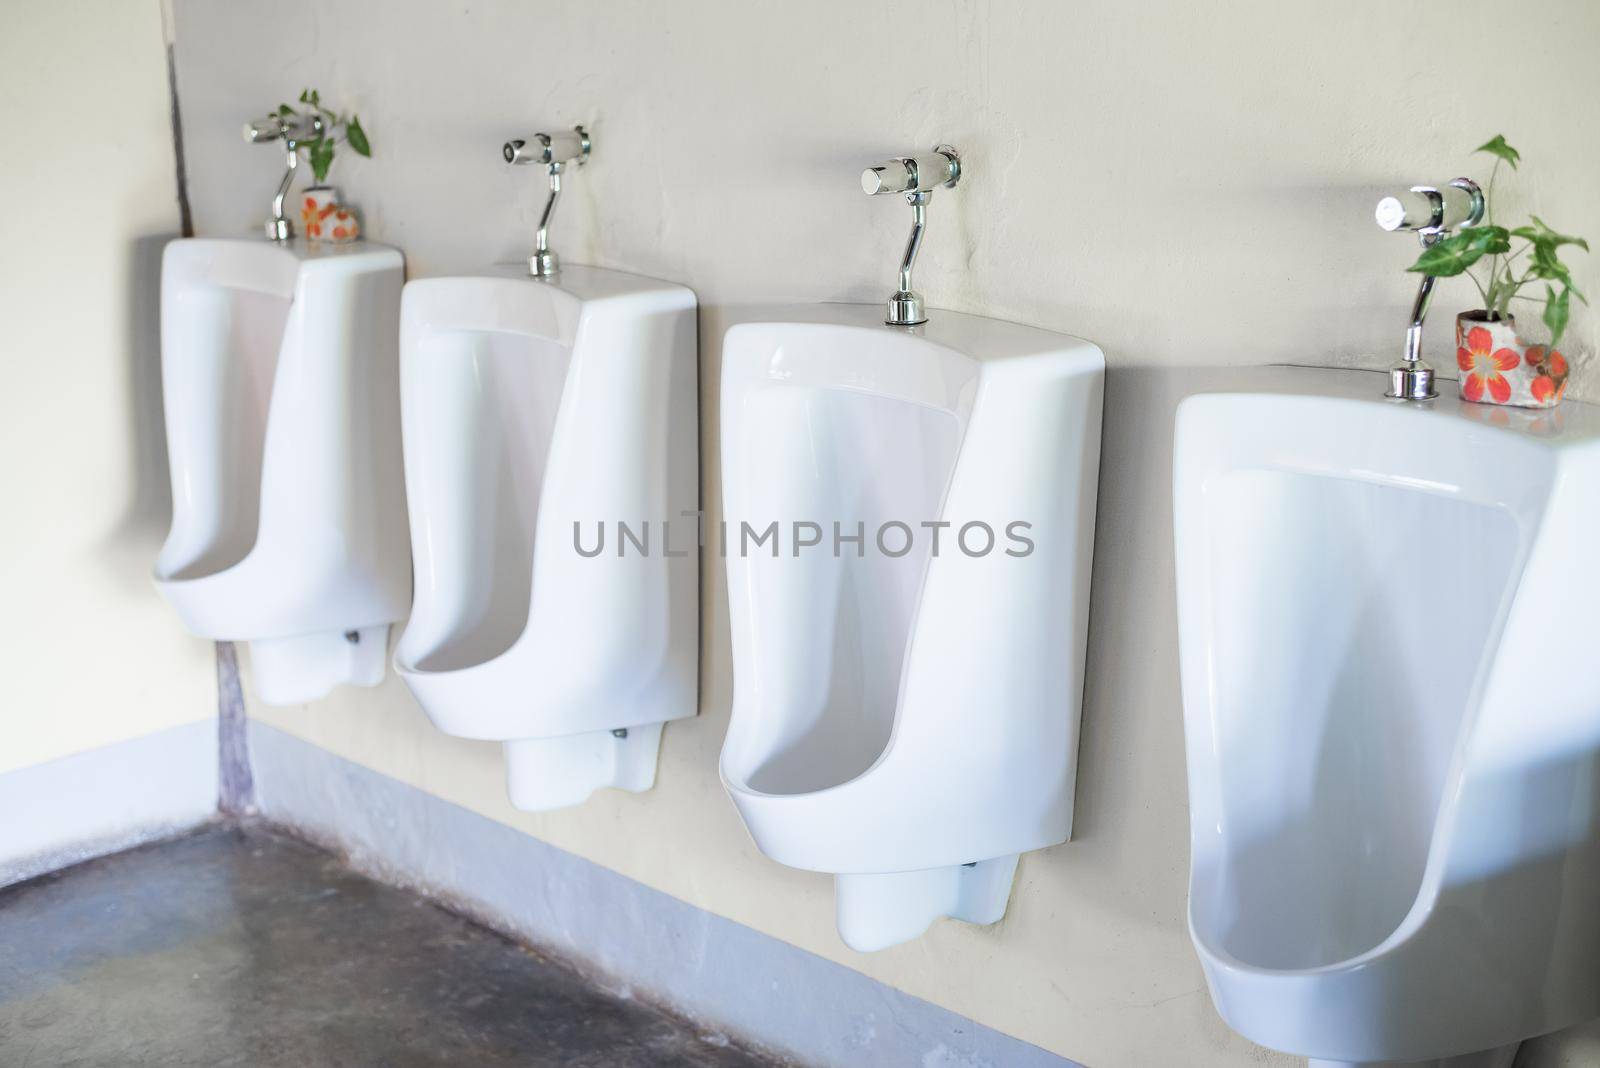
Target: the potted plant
pixel 1498 366
pixel 322 216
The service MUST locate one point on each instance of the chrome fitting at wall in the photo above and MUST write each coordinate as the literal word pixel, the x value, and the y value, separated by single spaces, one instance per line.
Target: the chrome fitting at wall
pixel 1431 213
pixel 553 151
pixel 917 177
pixel 292 130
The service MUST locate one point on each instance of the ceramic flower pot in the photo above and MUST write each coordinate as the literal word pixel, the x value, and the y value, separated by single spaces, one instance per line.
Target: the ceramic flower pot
pixel 323 218
pixel 1498 367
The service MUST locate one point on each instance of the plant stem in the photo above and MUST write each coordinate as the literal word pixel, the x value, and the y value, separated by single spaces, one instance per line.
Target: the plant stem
pixel 1488 305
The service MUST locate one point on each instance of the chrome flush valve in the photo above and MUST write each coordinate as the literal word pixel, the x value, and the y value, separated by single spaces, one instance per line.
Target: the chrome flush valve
pixel 553 151
pixel 917 177
pixel 291 130
pixel 1431 213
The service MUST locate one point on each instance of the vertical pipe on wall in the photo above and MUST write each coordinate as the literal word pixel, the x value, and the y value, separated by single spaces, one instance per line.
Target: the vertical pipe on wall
pixel 185 220
pixel 236 788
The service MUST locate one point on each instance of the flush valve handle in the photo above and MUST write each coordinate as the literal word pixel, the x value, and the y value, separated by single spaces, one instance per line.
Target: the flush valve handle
pixel 917 177
pixel 1431 213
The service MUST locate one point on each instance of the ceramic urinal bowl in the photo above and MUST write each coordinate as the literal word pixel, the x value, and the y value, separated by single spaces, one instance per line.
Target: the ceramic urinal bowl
pixel 279 370
pixel 906 720
pixel 1387 617
pixel 539 415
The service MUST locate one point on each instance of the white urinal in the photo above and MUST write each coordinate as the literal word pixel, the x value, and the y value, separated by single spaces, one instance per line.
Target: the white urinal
pixel 1388 621
pixel 279 371
pixel 905 720
pixel 542 416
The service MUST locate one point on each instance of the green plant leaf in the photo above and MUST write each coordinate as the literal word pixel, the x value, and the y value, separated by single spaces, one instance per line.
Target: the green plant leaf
pixel 1496 146
pixel 1558 238
pixel 357 137
pixel 305 96
pixel 1541 232
pixel 1454 254
pixel 285 110
pixel 1551 269
pixel 321 153
pixel 1555 313
pixel 1543 264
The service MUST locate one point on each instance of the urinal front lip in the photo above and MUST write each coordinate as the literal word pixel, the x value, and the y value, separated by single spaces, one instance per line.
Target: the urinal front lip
pixel 407 664
pixel 404 665
pixel 774 834
pixel 1413 922
pixel 797 852
pixel 739 785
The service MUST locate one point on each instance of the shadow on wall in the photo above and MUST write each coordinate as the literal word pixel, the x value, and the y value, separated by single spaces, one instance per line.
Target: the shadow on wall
pixel 1132 585
pixel 136 536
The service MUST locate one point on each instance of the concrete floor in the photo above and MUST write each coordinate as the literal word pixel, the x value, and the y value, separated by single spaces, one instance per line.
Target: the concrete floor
pixel 242 947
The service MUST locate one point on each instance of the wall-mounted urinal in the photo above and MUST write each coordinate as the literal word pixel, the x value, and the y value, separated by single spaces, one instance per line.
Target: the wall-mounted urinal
pixel 1387 613
pixel 905 712
pixel 279 372
pixel 551 425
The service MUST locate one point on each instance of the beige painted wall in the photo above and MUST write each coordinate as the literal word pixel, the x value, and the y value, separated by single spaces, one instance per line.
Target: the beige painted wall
pixel 1186 184
pixel 89 190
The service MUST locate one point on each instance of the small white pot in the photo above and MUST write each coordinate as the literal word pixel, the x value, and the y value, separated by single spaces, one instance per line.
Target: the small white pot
pixel 323 218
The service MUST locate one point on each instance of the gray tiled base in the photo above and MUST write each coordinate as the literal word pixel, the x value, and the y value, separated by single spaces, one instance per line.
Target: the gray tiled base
pixel 623 933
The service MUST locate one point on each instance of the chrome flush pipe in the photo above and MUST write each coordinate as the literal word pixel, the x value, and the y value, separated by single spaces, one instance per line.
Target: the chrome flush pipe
pixel 278 226
pixel 1419 312
pixel 553 152
pixel 1431 213
pixel 292 134
pixel 919 223
pixel 917 177
pixel 543 260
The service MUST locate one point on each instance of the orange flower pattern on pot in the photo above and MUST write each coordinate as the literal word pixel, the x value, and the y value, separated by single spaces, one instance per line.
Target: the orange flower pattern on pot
pixel 323 218
pixel 1498 367
pixel 1483 367
pixel 1550 369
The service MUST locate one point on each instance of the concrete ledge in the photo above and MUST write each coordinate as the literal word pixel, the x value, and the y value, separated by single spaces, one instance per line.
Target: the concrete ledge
pixel 107 799
pixel 624 934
